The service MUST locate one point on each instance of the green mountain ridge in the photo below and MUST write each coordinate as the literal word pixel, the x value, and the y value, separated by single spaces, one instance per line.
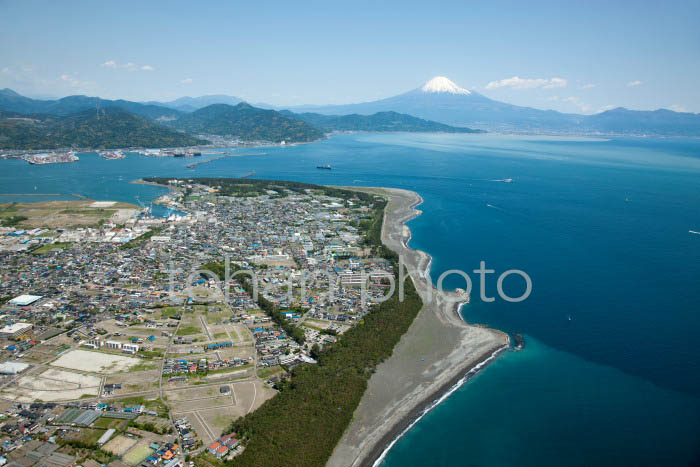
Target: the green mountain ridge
pixel 108 128
pixel 14 102
pixel 247 123
pixel 75 121
pixel 380 121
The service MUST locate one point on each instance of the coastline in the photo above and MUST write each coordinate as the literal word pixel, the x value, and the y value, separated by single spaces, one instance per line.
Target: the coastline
pixel 378 454
pixel 436 356
pixel 141 181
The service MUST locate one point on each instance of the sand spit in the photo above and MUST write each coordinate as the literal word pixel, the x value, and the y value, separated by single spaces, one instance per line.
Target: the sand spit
pixel 435 356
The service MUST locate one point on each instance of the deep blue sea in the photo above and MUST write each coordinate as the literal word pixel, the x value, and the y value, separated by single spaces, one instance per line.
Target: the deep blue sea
pixel 610 374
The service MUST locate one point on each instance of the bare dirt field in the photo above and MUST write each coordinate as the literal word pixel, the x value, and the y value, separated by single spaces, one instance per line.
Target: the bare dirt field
pixel 67 213
pixel 119 445
pixel 52 385
pixel 137 453
pixel 135 377
pixel 210 412
pixel 194 393
pixel 233 374
pixel 95 362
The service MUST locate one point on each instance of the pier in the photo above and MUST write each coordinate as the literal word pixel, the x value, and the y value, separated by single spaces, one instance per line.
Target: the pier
pixel 224 156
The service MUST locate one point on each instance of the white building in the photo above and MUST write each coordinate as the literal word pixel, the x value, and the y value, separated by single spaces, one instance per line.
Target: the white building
pixel 12 368
pixel 17 329
pixel 24 300
pixel 93 344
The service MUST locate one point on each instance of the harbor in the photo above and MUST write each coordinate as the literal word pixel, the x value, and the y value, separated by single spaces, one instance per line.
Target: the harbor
pixel 50 158
pixel 112 155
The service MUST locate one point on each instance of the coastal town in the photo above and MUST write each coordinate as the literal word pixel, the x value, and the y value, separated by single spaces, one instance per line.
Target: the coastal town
pixel 133 340
pixel 219 146
pixel 70 155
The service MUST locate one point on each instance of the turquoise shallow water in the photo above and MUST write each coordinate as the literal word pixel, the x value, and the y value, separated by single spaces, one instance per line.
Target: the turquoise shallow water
pixel 542 406
pixel 611 371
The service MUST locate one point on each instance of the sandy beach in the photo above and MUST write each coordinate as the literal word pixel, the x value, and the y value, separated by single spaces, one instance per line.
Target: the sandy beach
pixel 437 353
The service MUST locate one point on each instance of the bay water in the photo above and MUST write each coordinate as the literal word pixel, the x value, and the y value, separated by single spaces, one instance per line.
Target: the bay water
pixel 610 372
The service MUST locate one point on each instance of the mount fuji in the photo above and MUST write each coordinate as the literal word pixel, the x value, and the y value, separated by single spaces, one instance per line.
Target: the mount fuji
pixel 442 100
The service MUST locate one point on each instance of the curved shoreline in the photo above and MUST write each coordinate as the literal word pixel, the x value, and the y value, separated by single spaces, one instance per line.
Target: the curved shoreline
pixel 435 357
pixel 379 453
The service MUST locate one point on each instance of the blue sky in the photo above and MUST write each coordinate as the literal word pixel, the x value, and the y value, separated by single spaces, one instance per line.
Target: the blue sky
pixel 568 56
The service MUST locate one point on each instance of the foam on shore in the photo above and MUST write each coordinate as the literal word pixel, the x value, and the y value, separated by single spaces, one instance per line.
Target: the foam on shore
pixel 443 397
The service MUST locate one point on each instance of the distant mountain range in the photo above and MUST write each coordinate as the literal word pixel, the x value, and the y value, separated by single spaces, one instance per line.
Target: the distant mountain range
pixel 380 121
pixel 444 101
pixel 190 104
pixel 247 123
pixel 27 123
pixel 13 102
pixel 439 105
pixel 107 128
pixel 81 121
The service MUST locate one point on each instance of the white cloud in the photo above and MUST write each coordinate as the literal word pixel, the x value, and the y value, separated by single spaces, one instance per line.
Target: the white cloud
pixel 634 83
pixel 585 108
pixel 186 81
pixel 556 83
pixel 588 86
pixel 528 83
pixel 131 66
pixel 606 107
pixel 6 70
pixel 71 79
pixel 678 108
pixel 77 84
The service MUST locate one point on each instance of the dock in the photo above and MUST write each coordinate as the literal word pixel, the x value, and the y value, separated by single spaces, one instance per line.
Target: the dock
pixel 224 156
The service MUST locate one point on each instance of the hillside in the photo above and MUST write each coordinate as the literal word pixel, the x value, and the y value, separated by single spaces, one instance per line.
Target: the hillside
pixel 13 102
pixel 247 123
pixel 190 104
pixel 112 127
pixel 642 122
pixel 380 121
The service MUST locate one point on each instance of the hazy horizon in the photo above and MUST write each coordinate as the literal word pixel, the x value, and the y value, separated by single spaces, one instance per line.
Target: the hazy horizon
pixel 578 59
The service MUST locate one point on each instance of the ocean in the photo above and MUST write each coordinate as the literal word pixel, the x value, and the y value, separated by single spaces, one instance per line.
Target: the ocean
pixel 610 372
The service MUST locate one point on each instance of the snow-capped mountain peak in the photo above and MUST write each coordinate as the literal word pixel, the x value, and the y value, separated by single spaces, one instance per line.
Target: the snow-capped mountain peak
pixel 441 84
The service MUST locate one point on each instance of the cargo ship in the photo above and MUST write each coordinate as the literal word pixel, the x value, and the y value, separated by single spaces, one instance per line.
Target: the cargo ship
pixel 326 167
